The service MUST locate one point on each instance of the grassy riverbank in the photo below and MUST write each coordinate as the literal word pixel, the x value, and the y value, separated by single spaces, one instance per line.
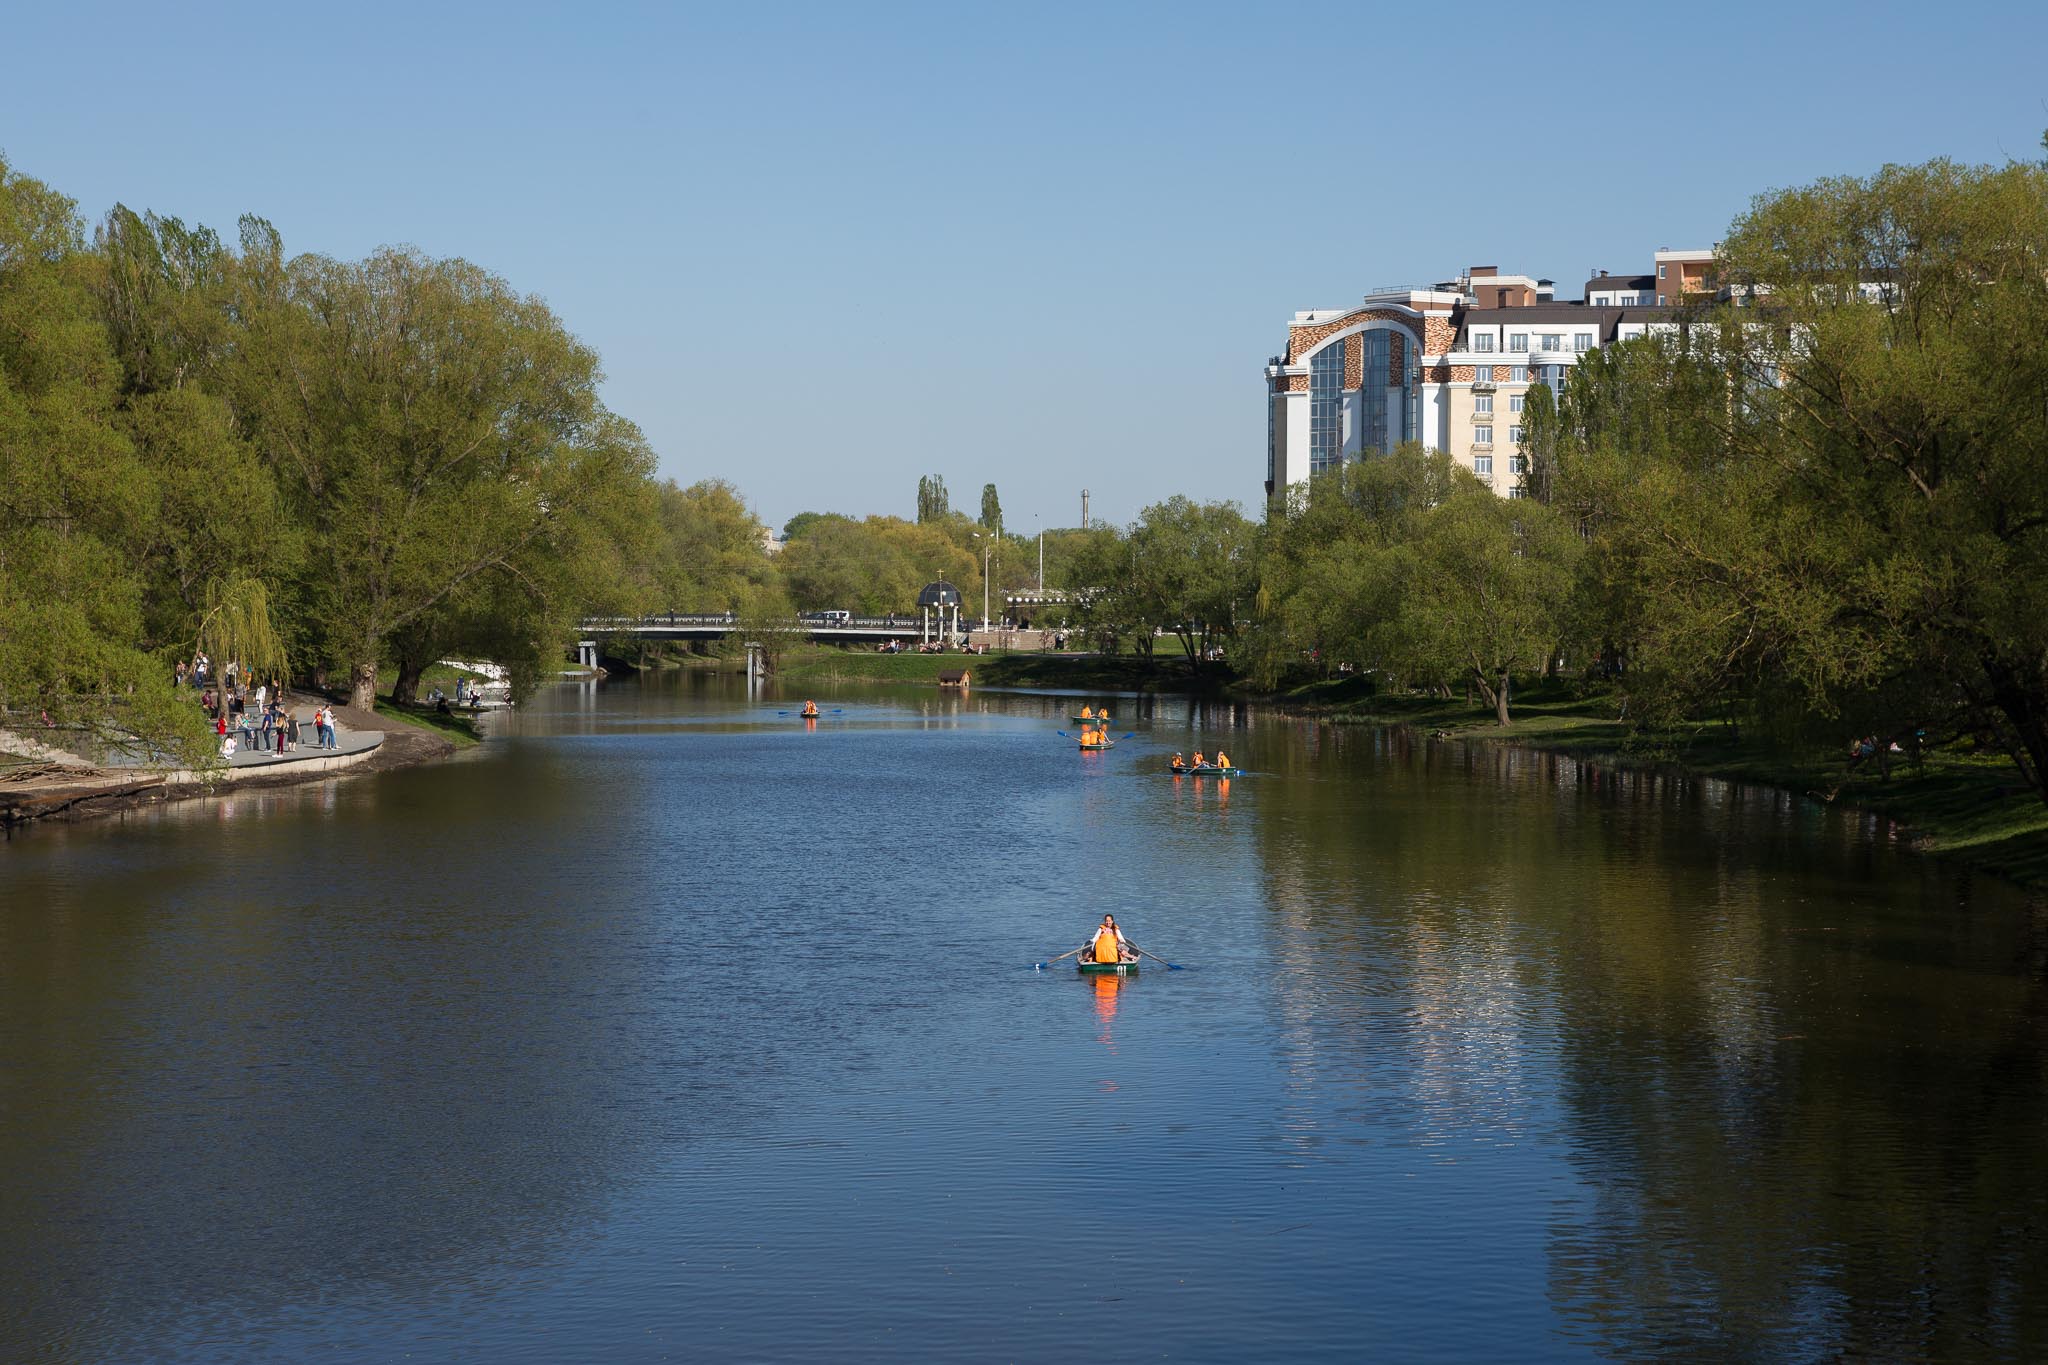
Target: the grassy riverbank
pixel 459 730
pixel 1075 672
pixel 1957 802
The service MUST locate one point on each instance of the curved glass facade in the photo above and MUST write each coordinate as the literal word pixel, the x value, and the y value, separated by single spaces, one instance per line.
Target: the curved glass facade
pixel 1326 408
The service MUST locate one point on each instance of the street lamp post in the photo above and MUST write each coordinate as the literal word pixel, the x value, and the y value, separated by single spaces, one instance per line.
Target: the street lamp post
pixel 988 543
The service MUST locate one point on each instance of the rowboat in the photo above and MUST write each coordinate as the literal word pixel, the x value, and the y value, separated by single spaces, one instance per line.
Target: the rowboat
pixel 1105 968
pixel 1106 744
pixel 807 715
pixel 1088 720
pixel 1206 770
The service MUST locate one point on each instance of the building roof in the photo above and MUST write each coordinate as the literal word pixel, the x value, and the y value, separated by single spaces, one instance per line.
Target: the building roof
pixel 940 594
pixel 1621 282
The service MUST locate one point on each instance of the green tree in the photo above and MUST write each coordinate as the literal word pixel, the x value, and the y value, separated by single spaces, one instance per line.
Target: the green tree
pixel 1332 565
pixel 75 499
pixel 932 503
pixel 431 426
pixel 800 524
pixel 1827 492
pixel 1189 569
pixel 991 509
pixel 1490 581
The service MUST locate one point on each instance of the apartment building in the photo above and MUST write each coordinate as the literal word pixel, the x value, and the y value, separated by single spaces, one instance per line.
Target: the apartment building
pixel 1451 364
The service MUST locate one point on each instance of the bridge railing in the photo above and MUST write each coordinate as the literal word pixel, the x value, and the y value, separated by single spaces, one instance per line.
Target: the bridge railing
pixel 705 619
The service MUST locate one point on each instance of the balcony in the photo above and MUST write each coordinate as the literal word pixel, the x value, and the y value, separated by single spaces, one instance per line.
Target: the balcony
pixel 1483 385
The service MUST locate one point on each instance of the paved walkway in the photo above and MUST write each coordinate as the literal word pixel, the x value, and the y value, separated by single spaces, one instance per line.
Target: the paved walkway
pixel 346 741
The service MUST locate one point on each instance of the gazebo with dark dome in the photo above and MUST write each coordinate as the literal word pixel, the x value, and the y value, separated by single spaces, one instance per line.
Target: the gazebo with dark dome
pixel 932 604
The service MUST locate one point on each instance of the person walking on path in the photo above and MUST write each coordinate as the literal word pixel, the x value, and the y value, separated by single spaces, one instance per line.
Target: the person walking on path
pixel 291 727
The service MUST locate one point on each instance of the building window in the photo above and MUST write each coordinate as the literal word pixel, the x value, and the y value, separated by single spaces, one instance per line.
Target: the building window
pixel 1482 374
pixel 1660 300
pixel 1553 341
pixel 1518 464
pixel 1372 393
pixel 1482 436
pixel 1519 342
pixel 1660 270
pixel 1483 404
pixel 1482 465
pixel 1482 341
pixel 1518 374
pixel 1514 435
pixel 1326 408
pixel 1518 492
pixel 1515 401
pixel 1583 342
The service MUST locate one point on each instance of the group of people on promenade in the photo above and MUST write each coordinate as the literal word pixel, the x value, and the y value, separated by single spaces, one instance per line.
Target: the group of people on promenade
pixel 257 716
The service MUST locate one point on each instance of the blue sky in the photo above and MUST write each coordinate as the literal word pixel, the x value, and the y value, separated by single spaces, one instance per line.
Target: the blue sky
pixel 825 249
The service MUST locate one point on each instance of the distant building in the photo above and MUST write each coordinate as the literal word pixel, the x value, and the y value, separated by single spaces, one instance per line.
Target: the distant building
pixel 1450 364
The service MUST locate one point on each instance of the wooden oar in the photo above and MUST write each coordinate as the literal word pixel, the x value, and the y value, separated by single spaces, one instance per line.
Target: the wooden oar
pixel 1170 966
pixel 1041 966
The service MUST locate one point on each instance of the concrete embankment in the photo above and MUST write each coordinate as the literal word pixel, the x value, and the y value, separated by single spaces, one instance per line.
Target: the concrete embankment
pixel 60 785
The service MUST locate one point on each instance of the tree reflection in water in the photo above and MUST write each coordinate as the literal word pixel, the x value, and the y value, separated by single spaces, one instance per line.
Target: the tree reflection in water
pixel 1801 1077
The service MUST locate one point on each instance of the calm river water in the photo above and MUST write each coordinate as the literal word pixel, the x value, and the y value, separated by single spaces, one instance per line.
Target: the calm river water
pixel 664 1027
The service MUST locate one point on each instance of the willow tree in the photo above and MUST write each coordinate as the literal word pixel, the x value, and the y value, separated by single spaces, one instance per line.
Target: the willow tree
pixel 235 626
pixel 1828 499
pixel 430 426
pixel 75 500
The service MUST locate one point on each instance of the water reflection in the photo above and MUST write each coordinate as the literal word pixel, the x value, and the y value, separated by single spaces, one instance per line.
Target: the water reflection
pixel 1800 1077
pixel 671 1025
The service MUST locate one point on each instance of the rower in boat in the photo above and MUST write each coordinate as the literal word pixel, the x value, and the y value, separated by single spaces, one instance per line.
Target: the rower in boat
pixel 1179 764
pixel 1222 759
pixel 1199 761
pixel 1108 945
pixel 1087 713
pixel 810 711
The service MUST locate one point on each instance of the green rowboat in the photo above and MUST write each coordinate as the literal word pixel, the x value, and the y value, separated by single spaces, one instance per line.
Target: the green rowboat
pixel 1206 771
pixel 1105 968
pixel 1088 720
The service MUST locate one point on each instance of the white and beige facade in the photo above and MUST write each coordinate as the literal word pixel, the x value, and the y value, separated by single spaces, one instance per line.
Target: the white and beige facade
pixel 1450 365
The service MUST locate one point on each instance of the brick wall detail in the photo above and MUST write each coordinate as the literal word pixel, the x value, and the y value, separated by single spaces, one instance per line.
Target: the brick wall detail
pixel 1303 339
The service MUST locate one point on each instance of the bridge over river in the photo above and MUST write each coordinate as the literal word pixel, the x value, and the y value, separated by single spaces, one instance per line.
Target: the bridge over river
pixel 823 627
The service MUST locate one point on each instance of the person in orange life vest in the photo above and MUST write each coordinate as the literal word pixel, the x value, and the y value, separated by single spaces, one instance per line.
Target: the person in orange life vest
pixel 811 709
pixel 1222 759
pixel 1199 762
pixel 1179 763
pixel 1108 944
